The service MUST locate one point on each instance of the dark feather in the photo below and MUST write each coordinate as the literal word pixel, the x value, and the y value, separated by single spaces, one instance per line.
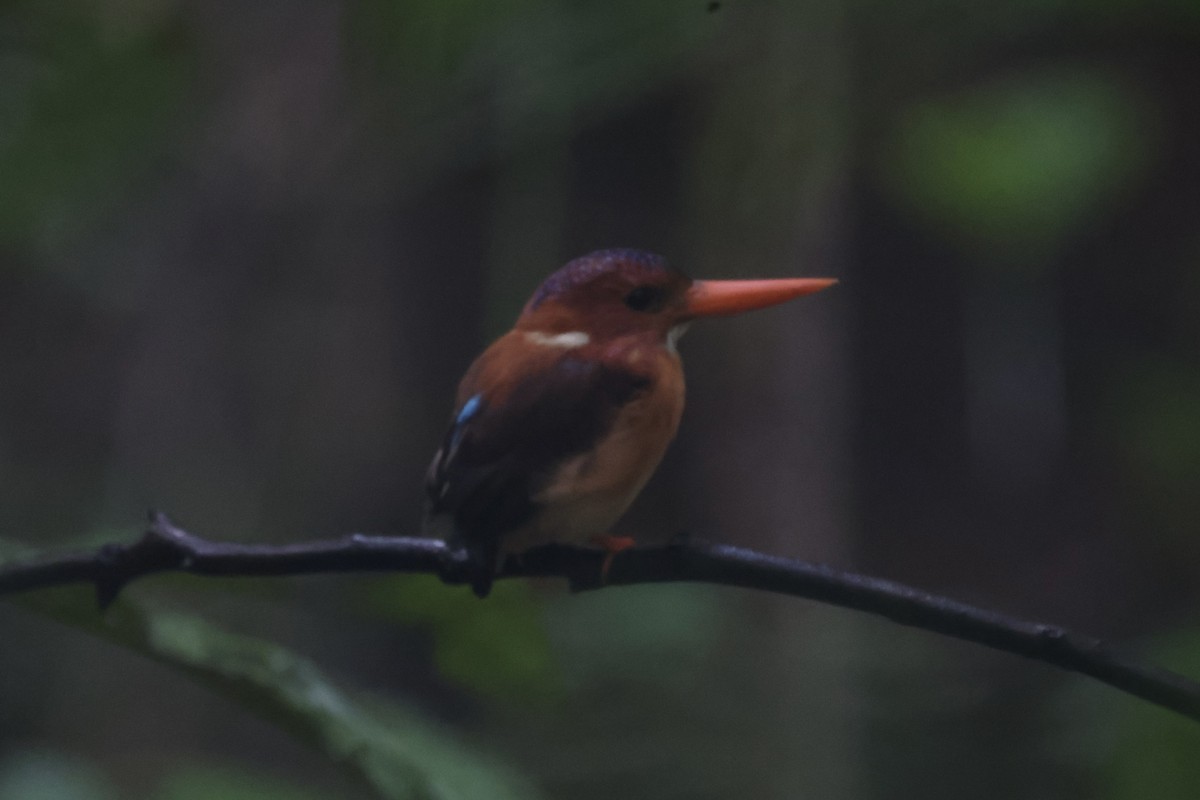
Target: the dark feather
pixel 495 457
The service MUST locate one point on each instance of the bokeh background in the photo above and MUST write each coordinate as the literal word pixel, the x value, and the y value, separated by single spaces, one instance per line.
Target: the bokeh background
pixel 246 250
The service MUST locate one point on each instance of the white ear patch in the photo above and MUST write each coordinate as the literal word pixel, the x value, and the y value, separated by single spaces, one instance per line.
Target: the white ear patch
pixel 567 341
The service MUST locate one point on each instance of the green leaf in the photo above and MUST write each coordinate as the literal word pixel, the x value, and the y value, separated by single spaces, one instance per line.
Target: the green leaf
pixel 390 749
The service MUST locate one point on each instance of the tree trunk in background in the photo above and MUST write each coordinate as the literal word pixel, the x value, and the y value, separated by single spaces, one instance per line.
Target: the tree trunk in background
pixel 770 389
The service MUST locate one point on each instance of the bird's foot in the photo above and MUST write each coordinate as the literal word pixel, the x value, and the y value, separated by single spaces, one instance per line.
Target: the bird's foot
pixel 611 545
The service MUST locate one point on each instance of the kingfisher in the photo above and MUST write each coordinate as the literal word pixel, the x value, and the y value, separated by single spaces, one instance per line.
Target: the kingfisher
pixel 559 423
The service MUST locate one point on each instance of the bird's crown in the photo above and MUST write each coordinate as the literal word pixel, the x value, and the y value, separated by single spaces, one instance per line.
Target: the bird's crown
pixel 623 265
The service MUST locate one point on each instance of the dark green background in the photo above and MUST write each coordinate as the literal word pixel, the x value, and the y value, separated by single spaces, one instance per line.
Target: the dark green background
pixel 246 250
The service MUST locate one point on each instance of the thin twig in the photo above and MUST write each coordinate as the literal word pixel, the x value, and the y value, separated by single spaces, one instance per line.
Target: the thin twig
pixel 167 548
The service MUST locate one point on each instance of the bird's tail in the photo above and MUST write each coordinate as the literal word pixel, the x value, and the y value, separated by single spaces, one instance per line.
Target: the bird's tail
pixel 482 572
pixel 479 556
pixel 483 561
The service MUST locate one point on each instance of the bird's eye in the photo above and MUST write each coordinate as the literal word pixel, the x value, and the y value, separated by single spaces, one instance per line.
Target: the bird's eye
pixel 645 298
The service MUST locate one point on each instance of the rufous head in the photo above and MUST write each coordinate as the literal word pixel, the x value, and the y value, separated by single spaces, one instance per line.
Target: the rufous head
pixel 612 293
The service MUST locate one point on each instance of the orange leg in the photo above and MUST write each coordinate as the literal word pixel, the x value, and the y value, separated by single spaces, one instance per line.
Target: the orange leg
pixel 611 545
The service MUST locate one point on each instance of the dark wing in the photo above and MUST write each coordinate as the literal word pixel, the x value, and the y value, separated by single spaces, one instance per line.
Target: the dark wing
pixel 497 455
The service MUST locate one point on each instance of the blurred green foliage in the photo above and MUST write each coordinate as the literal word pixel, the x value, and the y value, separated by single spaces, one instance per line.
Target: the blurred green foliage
pixel 1154 751
pixel 1152 417
pixel 660 634
pixel 1137 750
pixel 388 748
pixel 530 643
pixel 47 775
pixel 458 83
pixel 319 202
pixel 1025 160
pixel 87 93
pixel 498 648
pixel 197 782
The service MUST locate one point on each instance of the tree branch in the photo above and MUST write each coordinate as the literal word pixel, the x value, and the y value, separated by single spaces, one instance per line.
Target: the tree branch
pixel 167 548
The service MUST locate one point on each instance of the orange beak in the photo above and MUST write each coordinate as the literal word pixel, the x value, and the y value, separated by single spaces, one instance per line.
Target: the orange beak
pixel 722 298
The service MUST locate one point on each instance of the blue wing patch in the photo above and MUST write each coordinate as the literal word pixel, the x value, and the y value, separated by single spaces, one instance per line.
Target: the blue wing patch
pixel 437 479
pixel 470 408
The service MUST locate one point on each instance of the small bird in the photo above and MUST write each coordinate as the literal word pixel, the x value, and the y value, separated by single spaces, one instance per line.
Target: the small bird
pixel 561 421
